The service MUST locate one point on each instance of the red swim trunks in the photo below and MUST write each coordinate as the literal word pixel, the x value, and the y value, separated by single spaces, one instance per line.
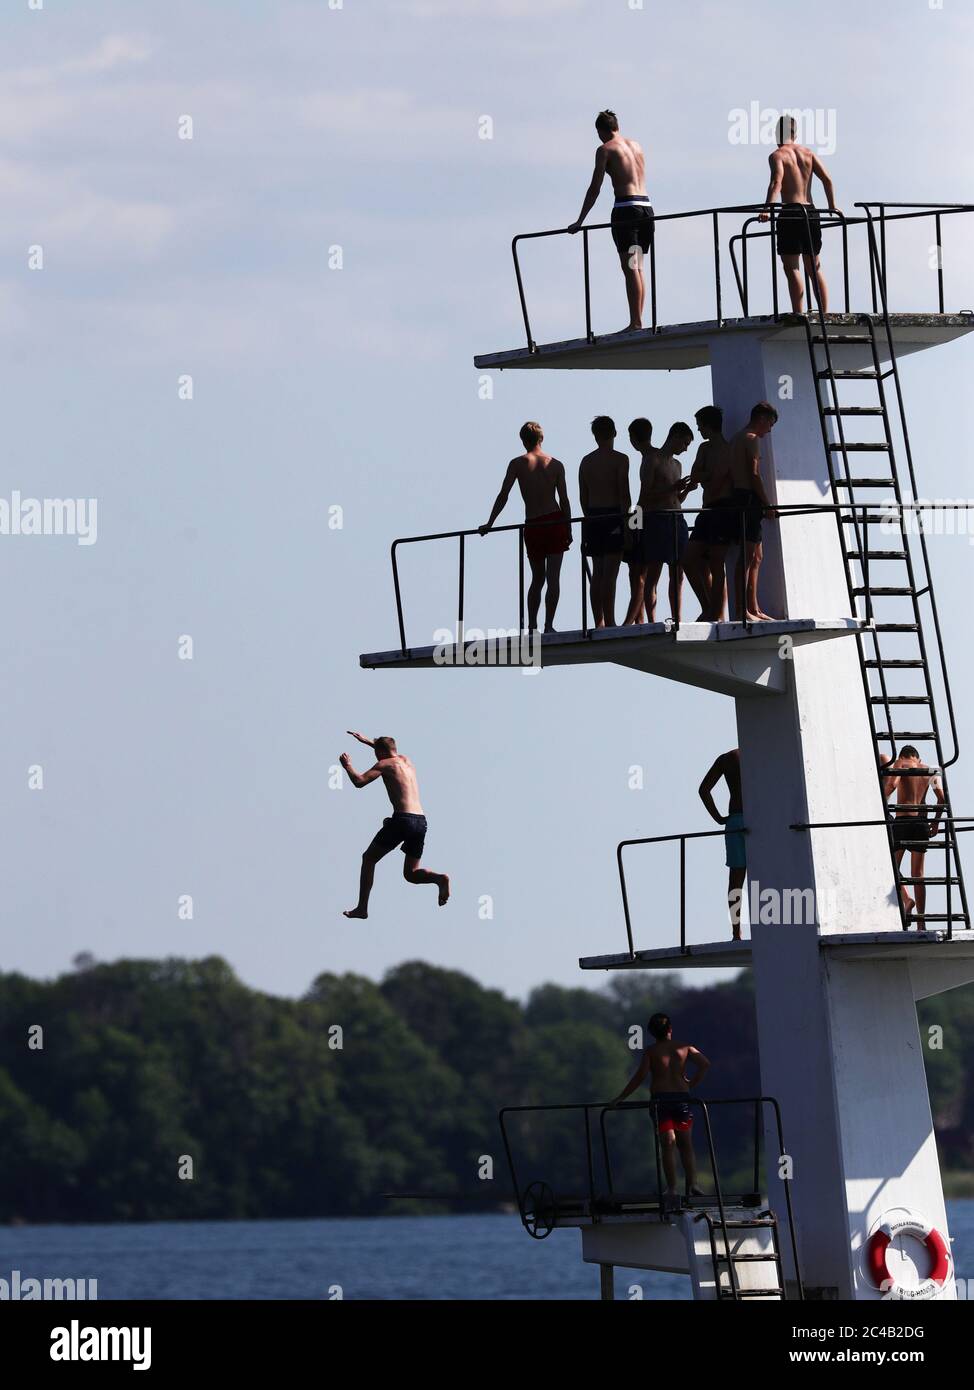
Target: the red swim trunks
pixel 551 539
pixel 673 1112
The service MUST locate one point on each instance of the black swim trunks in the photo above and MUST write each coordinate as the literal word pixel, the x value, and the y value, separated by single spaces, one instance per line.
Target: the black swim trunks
pixel 661 539
pixel 633 224
pixel 794 236
pixel 404 828
pixel 672 1111
pixel 742 499
pixel 715 524
pixel 911 832
pixel 602 531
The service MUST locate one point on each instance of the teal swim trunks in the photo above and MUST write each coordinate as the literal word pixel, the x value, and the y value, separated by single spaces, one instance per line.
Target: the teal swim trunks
pixel 734 841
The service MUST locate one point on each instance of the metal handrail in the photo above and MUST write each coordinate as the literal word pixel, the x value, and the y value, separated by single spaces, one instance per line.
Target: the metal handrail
pixel 659 840
pixel 889 213
pixel 782 511
pixel 653 1105
pixel 879 261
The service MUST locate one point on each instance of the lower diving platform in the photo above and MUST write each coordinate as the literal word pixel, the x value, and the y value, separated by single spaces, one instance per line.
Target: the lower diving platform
pixel 731 658
pixel 934 945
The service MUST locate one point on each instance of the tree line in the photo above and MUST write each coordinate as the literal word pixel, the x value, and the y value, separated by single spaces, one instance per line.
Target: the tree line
pixel 155 1090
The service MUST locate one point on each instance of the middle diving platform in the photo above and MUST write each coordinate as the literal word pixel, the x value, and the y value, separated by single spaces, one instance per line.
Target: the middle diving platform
pixel 729 658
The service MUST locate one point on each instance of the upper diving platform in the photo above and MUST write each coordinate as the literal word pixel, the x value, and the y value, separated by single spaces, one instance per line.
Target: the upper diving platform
pixel 693 250
pixel 678 347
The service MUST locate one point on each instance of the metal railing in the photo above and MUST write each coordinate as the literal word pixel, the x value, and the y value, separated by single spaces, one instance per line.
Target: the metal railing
pixel 955 825
pixel 887 212
pixel 861 515
pixel 660 840
pixel 461 536
pixel 538 1203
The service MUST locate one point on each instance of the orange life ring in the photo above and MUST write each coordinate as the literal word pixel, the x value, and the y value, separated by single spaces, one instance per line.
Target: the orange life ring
pixel 909 1225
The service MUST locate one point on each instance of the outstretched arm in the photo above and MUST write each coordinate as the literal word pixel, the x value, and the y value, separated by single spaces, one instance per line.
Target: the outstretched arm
pixel 636 1080
pixel 369 743
pixel 819 169
pixel 594 188
pixel 706 790
pixel 359 779
pixel 500 502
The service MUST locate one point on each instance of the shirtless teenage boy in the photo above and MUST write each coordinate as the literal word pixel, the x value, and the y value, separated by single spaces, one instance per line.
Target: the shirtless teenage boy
pixel 792 167
pixel 911 780
pixel 641 439
pixel 406 826
pixel 713 530
pixel 750 501
pixel 603 489
pixel 666 1062
pixel 632 213
pixel 662 536
pixel 541 479
pixel 728 767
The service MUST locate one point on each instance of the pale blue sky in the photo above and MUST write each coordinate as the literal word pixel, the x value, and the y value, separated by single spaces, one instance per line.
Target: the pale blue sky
pixel 314 388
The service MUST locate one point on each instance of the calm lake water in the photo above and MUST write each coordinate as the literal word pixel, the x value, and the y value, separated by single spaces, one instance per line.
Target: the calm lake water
pixel 386 1257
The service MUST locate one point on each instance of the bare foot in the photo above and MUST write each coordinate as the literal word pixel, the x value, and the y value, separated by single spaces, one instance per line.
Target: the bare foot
pixel 356 912
pixel 908 904
pixel 444 882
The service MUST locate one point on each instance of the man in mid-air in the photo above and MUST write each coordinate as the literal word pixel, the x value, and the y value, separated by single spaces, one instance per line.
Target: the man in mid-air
pixel 792 167
pixel 728 767
pixel 666 1062
pixel 911 780
pixel 406 826
pixel 632 213
pixel 547 515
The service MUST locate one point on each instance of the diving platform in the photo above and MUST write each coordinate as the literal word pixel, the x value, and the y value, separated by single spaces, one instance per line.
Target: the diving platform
pixel 933 946
pixel 679 347
pixel 729 658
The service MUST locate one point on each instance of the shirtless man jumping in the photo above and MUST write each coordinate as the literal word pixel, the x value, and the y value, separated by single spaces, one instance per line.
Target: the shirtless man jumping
pixel 603 489
pixel 792 167
pixel 406 826
pixel 632 213
pixel 911 779
pixel 749 500
pixel 666 1062
pixel 728 767
pixel 541 479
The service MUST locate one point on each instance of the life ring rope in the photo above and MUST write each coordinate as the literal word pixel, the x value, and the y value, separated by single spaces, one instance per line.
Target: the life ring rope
pixel 879 1243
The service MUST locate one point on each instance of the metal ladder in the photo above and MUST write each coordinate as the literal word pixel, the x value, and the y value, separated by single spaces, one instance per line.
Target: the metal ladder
pixel 859 555
pixel 728 1262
